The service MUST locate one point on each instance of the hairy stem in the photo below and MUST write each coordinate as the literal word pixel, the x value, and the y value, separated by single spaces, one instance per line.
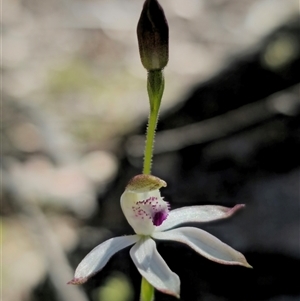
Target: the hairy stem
pixel 155 87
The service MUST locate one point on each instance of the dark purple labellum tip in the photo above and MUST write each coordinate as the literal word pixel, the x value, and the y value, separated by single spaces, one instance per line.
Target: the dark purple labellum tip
pixel 159 217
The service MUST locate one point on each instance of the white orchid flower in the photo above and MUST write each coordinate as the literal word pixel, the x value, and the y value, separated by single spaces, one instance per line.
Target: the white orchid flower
pixel 149 216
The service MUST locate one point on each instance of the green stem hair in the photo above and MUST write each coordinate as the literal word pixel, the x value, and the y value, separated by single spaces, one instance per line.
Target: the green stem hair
pixel 155 87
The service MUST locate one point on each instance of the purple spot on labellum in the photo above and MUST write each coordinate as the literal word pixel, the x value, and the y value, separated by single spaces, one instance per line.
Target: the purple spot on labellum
pixel 159 217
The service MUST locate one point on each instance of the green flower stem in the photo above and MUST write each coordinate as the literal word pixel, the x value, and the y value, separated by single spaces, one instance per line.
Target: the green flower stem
pixel 155 87
pixel 147 291
pixel 150 142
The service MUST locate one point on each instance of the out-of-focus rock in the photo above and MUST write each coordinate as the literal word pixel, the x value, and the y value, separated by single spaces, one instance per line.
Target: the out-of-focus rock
pixel 24 264
pixel 70 187
pixel 63 187
pixel 26 137
pixel 99 166
pixel 65 229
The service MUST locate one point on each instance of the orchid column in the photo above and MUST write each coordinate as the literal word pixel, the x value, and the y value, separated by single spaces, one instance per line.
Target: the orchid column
pixel 153 38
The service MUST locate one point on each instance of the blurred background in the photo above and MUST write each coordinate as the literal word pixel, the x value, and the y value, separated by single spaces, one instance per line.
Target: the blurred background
pixel 74 111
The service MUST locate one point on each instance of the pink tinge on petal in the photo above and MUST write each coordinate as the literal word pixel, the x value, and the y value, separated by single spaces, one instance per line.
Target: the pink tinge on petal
pixel 77 281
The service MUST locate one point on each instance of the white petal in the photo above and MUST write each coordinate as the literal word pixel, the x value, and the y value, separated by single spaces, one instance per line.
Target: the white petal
pixel 153 268
pixel 94 261
pixel 205 244
pixel 196 214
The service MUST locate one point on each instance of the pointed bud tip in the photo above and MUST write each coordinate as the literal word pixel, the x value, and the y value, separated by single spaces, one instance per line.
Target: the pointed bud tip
pixel 145 183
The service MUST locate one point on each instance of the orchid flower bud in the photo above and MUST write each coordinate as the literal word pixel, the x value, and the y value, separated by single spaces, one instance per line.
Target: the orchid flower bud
pixel 153 36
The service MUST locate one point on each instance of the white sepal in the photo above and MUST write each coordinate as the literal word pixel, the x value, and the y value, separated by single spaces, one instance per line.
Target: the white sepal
pixel 196 214
pixel 94 261
pixel 153 268
pixel 205 244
